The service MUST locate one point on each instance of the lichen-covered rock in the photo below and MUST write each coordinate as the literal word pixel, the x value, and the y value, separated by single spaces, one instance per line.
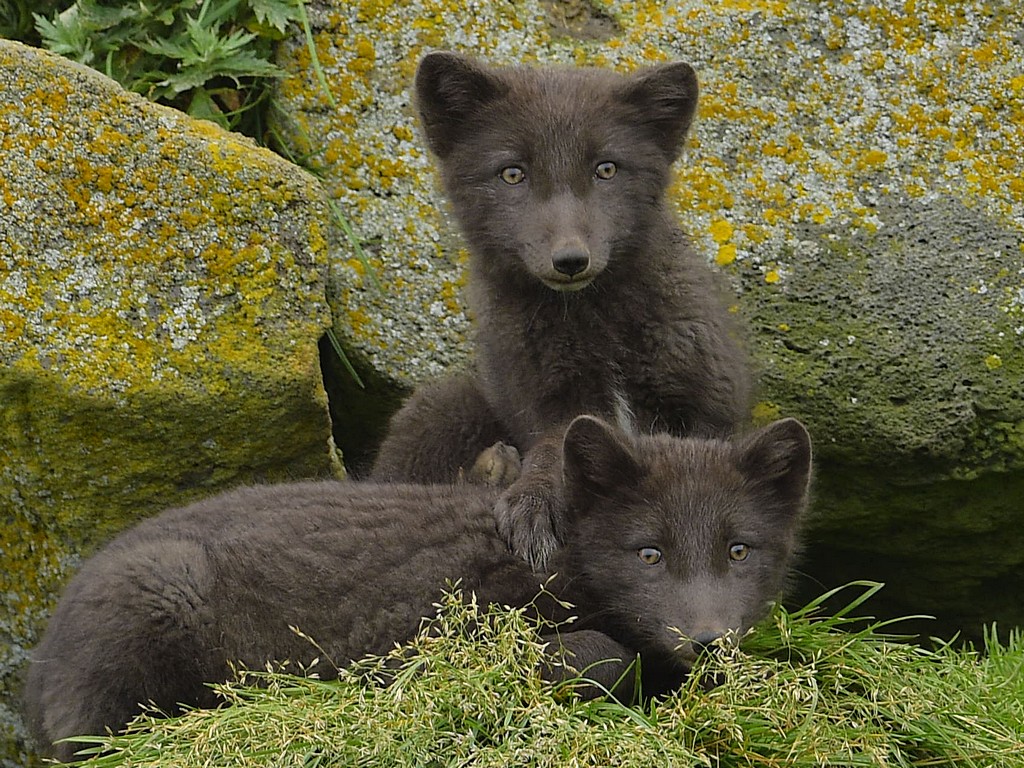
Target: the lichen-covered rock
pixel 162 291
pixel 856 171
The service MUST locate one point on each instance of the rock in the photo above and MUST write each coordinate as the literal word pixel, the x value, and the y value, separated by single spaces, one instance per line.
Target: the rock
pixel 162 292
pixel 855 171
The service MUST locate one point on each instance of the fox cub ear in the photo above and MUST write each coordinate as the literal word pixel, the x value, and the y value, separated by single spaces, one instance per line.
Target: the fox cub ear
pixel 779 457
pixel 664 99
pixel 596 461
pixel 449 89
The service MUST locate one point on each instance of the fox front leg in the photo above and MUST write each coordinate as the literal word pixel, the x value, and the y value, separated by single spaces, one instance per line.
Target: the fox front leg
pixel 595 664
pixel 529 513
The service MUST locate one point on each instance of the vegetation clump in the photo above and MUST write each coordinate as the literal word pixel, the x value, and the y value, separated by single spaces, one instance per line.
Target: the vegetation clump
pixel 800 690
pixel 213 60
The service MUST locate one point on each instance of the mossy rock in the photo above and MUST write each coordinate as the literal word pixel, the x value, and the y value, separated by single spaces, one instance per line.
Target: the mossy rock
pixel 912 381
pixel 855 171
pixel 162 293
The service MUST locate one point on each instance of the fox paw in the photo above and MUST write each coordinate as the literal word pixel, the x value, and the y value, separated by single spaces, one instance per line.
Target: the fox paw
pixel 524 520
pixel 497 467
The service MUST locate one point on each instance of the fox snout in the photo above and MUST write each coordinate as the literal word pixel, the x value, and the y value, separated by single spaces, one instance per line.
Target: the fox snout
pixel 571 265
pixel 691 640
pixel 571 260
pixel 567 244
pixel 703 642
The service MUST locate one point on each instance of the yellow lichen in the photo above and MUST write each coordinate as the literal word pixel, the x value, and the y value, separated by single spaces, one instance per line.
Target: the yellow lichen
pixel 726 254
pixel 721 231
pixel 765 412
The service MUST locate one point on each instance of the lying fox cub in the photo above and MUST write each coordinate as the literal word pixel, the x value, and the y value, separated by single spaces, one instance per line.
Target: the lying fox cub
pixel 665 536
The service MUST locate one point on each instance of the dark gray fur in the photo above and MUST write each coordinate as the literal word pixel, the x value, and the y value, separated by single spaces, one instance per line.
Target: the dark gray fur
pixel 641 332
pixel 166 605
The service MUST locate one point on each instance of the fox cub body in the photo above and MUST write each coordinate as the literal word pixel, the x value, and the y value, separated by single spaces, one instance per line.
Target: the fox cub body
pixel 663 535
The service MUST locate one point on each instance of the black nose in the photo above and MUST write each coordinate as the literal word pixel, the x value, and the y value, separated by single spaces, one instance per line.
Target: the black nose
pixel 570 262
pixel 705 642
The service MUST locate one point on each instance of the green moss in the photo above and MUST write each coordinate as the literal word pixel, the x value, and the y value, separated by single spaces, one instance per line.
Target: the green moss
pixel 881 348
pixel 77 468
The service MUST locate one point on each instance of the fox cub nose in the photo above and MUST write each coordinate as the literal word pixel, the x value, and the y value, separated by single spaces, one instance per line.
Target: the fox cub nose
pixel 570 261
pixel 705 642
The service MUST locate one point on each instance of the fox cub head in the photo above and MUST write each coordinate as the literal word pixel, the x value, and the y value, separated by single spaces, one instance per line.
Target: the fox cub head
pixel 554 173
pixel 679 542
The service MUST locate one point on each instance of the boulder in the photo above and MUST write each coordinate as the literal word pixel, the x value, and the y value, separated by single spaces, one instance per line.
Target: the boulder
pixel 854 170
pixel 162 293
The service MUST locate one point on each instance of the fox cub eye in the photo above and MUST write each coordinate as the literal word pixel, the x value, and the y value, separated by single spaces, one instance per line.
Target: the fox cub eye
pixel 605 170
pixel 512 175
pixel 739 552
pixel 649 555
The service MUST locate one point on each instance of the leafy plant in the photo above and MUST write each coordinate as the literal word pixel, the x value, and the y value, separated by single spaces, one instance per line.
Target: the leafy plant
pixel 16 18
pixel 210 59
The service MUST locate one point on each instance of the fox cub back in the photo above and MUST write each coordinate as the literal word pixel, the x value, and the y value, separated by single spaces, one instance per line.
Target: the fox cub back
pixel 665 536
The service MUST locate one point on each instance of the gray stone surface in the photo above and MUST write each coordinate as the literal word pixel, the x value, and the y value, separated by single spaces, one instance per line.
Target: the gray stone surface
pixel 162 291
pixel 855 170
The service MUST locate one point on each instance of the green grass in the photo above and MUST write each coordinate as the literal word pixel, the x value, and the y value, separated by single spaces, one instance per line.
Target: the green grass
pixel 801 690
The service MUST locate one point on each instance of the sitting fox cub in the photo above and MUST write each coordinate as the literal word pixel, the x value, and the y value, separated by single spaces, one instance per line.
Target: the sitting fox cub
pixel 661 533
pixel 586 296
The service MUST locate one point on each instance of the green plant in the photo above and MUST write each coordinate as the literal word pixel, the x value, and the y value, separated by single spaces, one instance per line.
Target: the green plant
pixel 16 18
pixel 210 59
pixel 802 691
